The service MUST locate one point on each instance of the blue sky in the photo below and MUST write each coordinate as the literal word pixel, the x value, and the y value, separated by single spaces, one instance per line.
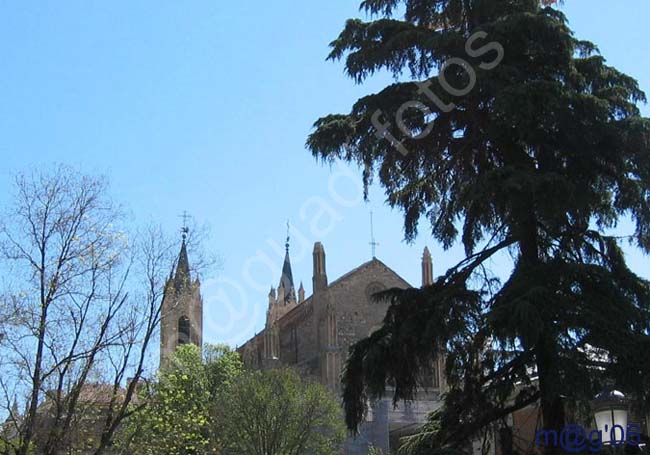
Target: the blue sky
pixel 205 106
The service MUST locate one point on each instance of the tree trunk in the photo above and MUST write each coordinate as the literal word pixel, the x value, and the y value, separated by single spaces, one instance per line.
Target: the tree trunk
pixel 550 401
pixel 546 349
pixel 28 429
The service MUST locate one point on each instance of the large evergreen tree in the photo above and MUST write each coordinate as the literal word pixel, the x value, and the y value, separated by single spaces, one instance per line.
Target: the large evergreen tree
pixel 531 144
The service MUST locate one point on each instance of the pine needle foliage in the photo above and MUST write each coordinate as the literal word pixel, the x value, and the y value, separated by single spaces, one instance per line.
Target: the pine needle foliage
pixel 542 158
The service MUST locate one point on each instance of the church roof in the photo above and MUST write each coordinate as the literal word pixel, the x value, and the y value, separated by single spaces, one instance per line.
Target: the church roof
pixel 342 279
pixel 373 261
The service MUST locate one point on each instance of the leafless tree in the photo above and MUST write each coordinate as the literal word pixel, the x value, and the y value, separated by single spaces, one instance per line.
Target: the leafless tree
pixel 78 311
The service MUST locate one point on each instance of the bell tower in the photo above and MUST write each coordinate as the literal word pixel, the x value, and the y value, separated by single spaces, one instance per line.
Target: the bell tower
pixel 181 319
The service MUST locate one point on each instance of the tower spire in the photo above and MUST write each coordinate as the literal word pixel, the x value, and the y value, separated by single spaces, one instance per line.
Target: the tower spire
pixel 286 280
pixel 182 275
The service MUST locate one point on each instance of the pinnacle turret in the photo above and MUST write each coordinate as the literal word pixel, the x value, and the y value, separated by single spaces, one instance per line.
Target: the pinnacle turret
pixel 286 281
pixel 427 268
pixel 301 293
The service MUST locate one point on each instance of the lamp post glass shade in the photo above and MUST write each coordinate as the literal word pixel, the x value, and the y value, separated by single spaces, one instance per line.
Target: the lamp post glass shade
pixel 610 413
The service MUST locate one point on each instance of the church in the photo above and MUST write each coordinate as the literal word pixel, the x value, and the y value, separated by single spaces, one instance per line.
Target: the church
pixel 313 334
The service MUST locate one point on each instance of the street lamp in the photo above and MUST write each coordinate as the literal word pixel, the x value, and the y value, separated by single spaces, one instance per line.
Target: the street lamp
pixel 610 411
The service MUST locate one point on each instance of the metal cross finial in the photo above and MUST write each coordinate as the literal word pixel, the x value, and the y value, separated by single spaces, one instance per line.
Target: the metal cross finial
pixel 185 229
pixel 373 243
pixel 286 245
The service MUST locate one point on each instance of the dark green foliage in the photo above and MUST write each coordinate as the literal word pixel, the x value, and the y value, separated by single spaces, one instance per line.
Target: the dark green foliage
pixel 541 158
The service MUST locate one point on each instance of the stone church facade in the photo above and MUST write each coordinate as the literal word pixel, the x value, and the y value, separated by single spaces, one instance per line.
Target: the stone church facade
pixel 313 334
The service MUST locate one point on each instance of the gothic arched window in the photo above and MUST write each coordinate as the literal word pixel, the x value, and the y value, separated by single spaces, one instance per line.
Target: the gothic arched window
pixel 183 330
